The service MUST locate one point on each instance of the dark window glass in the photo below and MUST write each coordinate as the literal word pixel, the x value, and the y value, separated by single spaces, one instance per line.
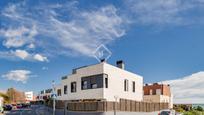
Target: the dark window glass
pixel 133 86
pixel 94 86
pixel 73 87
pixel 65 89
pixel 84 84
pixel 106 82
pixel 59 92
pixel 93 81
pixel 125 85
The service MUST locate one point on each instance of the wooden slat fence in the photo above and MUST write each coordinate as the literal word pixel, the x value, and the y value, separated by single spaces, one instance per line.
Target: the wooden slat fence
pixel 122 105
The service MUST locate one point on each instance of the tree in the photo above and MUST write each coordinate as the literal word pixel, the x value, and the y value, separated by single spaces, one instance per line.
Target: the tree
pixel 6 98
pixel 199 108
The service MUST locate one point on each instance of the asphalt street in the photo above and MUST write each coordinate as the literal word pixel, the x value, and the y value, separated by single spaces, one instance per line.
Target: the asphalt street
pixel 33 110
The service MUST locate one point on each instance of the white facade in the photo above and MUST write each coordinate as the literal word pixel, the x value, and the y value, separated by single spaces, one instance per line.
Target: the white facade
pixel 29 96
pixel 114 79
pixel 159 98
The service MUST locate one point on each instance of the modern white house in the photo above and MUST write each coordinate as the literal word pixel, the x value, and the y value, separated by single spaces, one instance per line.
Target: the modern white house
pixel 101 81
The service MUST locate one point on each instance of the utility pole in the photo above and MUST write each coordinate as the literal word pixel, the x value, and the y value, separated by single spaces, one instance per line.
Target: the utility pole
pixel 54 96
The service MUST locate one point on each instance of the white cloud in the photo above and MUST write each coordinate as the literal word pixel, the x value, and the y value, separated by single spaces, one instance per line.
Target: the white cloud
pixel 18 37
pixel 17 75
pixel 188 89
pixel 64 28
pixel 162 12
pixel 40 58
pixel 22 54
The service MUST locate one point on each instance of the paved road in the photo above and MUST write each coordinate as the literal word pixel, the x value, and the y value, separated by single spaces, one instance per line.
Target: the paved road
pixel 34 110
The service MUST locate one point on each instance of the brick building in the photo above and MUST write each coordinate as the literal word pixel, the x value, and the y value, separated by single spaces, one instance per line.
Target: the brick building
pixel 158 93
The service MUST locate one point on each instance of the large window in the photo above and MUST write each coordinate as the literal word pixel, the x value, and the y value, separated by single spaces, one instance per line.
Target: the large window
pixel 133 86
pixel 65 89
pixel 73 87
pixel 59 93
pixel 94 81
pixel 125 85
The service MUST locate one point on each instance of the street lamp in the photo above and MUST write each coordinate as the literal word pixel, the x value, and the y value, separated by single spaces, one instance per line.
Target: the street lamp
pixel 53 96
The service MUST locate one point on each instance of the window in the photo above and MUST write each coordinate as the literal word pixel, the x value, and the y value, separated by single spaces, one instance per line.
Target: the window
pixel 84 84
pixel 93 86
pixel 59 92
pixel 93 81
pixel 133 86
pixel 65 89
pixel 158 91
pixel 150 92
pixel 73 87
pixel 126 85
pixel 106 82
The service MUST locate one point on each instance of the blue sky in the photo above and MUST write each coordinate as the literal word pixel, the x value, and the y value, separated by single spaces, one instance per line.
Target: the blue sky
pixel 162 40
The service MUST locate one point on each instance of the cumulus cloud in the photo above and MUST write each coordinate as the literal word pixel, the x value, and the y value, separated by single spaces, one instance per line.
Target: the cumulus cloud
pixel 188 89
pixel 64 29
pixel 23 54
pixel 17 75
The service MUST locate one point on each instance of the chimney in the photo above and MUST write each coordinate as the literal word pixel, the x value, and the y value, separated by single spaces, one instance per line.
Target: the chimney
pixel 103 60
pixel 120 64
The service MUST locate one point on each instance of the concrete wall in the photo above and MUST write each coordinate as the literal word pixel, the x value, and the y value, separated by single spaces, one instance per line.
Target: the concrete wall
pixel 159 99
pixel 116 77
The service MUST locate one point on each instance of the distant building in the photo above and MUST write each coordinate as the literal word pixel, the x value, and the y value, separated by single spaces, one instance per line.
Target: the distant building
pixel 44 94
pixel 158 93
pixel 101 82
pixel 16 96
pixel 29 96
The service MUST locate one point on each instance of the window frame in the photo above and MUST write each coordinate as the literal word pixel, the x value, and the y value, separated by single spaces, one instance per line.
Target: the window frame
pixel 59 92
pixel 106 81
pixel 65 91
pixel 73 87
pixel 126 85
pixel 133 87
